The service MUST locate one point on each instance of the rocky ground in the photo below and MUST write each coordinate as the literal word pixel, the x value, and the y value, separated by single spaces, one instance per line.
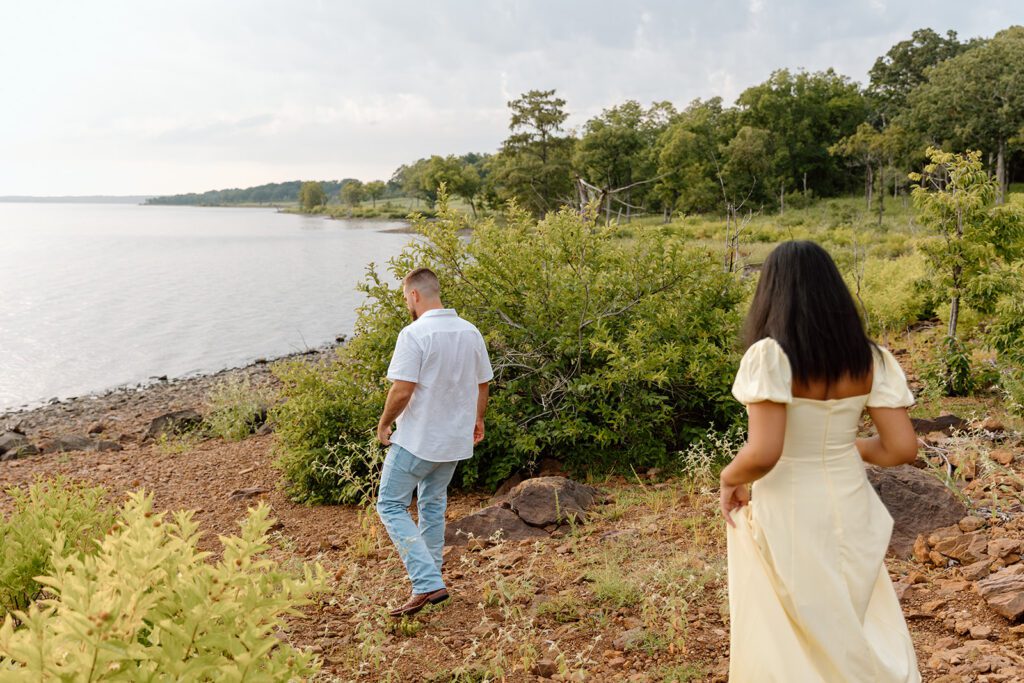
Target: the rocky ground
pixel 632 588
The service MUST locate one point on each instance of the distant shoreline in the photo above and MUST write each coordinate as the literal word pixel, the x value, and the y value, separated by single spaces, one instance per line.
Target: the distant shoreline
pixel 76 199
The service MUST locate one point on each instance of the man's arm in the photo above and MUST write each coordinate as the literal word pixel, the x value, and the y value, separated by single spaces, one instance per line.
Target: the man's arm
pixel 481 408
pixel 398 398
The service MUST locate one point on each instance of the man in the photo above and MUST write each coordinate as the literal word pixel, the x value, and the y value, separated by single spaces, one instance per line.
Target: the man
pixel 439 374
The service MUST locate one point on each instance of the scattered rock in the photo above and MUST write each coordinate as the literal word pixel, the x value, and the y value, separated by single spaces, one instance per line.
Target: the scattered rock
pixel 917 501
pixel 545 668
pixel 970 523
pixel 12 440
pixel 1003 456
pixel 173 423
pixel 628 639
pixel 980 631
pixel 104 446
pixel 1001 547
pixel 1004 592
pixel 976 571
pixel 966 548
pixel 97 428
pixel 61 444
pixel 551 500
pixel 992 424
pixel 243 494
pixel 487 523
pixel 943 423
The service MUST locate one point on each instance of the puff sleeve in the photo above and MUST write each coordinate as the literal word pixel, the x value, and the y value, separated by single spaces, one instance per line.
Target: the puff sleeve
pixel 889 385
pixel 764 374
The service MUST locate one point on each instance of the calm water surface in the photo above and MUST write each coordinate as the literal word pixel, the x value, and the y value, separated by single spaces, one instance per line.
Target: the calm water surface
pixel 94 296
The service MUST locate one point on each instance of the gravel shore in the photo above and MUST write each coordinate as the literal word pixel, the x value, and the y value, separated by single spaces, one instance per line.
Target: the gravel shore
pixel 124 413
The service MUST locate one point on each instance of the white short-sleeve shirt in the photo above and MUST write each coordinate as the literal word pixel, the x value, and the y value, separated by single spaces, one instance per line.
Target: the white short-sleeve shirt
pixel 447 359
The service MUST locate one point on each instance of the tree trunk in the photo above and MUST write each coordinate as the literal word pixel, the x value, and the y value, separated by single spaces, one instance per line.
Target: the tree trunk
pixel 869 184
pixel 954 315
pixel 881 192
pixel 782 199
pixel 1001 172
pixel 805 183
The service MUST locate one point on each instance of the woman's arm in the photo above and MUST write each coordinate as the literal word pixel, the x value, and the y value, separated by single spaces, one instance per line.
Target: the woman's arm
pixel 896 443
pixel 765 438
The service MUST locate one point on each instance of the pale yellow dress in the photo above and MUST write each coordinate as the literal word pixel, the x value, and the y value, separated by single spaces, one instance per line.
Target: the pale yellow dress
pixel 809 596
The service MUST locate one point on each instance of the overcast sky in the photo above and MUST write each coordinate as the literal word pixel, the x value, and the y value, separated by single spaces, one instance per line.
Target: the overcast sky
pixel 155 97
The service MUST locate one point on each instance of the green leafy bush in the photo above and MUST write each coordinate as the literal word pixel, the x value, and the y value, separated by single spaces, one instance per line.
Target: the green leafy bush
pixel 148 606
pixel 607 352
pixel 894 292
pixel 1006 336
pixel 79 514
pixel 949 372
pixel 236 408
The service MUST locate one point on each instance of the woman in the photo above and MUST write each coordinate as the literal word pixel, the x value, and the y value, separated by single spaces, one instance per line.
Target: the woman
pixel 809 596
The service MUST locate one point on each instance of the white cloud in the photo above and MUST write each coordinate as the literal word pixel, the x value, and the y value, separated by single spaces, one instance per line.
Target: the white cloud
pixel 168 97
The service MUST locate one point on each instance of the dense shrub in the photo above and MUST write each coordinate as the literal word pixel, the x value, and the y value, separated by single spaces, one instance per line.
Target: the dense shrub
pixel 608 353
pixel 80 514
pixel 1006 336
pixel 148 606
pixel 893 292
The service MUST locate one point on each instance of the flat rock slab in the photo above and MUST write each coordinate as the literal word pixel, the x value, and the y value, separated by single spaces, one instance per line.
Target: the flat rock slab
pixel 552 500
pixel 918 502
pixel 62 444
pixel 1004 591
pixel 943 423
pixel 488 523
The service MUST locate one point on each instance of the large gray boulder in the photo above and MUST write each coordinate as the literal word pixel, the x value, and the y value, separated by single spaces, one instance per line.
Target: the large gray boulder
pixel 551 500
pixel 487 523
pixel 918 502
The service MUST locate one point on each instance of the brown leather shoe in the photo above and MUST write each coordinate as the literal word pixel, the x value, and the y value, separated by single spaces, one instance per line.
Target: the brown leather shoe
pixel 418 601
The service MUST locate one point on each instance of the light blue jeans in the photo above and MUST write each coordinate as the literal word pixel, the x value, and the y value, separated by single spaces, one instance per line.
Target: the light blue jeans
pixel 420 547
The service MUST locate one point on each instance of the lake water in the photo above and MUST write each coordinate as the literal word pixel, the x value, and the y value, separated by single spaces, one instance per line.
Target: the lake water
pixel 94 296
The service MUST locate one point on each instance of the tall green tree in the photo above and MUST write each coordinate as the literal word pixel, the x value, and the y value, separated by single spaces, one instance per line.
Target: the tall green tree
pixel 352 192
pixel 460 177
pixel 807 112
pixel 901 69
pixel 866 148
pixel 617 152
pixel 312 195
pixel 375 190
pixel 971 242
pixel 689 158
pixel 534 164
pixel 976 101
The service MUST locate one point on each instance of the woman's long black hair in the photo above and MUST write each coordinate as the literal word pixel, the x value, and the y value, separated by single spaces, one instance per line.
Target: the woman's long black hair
pixel 802 303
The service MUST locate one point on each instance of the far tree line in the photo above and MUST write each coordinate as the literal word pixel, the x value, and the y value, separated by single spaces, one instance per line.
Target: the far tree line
pixel 796 135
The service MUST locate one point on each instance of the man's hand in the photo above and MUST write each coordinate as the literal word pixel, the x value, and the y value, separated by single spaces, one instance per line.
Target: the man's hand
pixel 384 434
pixel 478 431
pixel 398 398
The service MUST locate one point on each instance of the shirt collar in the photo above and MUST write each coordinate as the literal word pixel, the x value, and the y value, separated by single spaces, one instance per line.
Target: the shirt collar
pixel 438 311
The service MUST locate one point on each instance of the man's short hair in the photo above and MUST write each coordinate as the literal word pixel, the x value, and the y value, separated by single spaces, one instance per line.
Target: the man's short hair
pixel 423 281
